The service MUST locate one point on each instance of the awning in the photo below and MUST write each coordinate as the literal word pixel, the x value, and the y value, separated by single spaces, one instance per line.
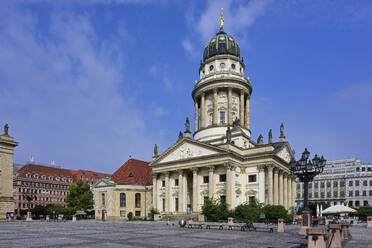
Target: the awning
pixel 338 209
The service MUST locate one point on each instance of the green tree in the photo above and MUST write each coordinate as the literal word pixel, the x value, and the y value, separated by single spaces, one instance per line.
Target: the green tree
pixel 214 210
pixel 80 197
pixel 363 212
pixel 274 212
pixel 247 212
pixel 39 210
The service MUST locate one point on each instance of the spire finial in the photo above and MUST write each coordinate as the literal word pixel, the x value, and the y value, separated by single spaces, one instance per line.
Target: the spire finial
pixel 221 19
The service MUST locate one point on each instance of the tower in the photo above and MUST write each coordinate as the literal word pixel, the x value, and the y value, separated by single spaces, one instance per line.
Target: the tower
pixel 7 145
pixel 222 94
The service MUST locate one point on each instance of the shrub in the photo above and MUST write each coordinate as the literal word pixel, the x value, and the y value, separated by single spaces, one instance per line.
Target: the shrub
pixel 247 212
pixel 275 212
pixel 214 210
pixel 130 216
pixel 154 211
pixel 363 212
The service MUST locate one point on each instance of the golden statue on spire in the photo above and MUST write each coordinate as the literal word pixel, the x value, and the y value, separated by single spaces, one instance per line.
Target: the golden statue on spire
pixel 221 19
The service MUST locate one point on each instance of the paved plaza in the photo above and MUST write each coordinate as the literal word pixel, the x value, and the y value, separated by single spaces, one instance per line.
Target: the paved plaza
pixel 130 234
pixel 90 233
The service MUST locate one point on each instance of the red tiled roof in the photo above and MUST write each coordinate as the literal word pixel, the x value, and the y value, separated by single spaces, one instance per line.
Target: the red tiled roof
pixel 41 170
pixel 78 173
pixel 133 172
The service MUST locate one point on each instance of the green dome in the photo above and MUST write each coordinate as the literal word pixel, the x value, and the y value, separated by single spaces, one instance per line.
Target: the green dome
pixel 222 43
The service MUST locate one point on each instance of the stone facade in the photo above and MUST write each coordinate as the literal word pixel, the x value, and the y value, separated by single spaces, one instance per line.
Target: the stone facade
pixel 7 145
pixel 222 161
pixel 347 181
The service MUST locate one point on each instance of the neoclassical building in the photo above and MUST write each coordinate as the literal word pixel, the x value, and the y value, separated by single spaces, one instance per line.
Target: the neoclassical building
pixel 221 160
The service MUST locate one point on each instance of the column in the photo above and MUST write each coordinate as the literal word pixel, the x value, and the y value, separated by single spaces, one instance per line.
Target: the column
pixel 241 108
pixel 270 185
pixel 195 190
pixel 180 191
pixel 261 184
pixel 196 127
pixel 229 106
pixel 155 190
pixel 293 182
pixel 167 192
pixel 215 105
pixel 184 186
pixel 202 111
pixel 230 185
pixel 276 187
pixel 211 184
pixel 247 111
pixel 281 198
pixel 289 192
pixel 285 191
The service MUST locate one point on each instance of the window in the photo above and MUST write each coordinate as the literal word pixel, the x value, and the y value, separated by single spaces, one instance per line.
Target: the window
pixel 163 183
pixel 252 199
pixel 365 203
pixel 365 183
pixel 357 169
pixel 356 182
pixel 130 174
pixel 123 200
pixel 222 65
pixel 233 66
pixel 357 204
pixel 176 204
pixel 310 195
pixel 322 185
pixel 163 205
pixel 328 184
pixel 316 185
pixel 103 200
pixel 350 193
pixel 211 68
pixel 222 117
pixel 335 194
pixel 370 193
pixel 342 193
pixel 335 184
pixel 342 184
pixel 298 195
pixel 364 193
pixel 252 178
pixel 321 194
pixel 350 183
pixel 137 213
pixel 206 179
pixel 138 200
pixel 328 194
pixel 316 194
pixel 356 192
pixel 363 169
pixel 350 203
pixel 223 198
pixel 223 178
pixel 370 182
pixel 122 213
pixel 176 182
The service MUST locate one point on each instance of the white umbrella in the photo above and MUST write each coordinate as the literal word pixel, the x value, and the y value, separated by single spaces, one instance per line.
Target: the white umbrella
pixel 336 209
pixel 321 210
pixel 317 210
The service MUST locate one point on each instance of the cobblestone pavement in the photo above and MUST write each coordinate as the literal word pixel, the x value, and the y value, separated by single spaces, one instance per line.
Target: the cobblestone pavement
pixel 360 236
pixel 90 233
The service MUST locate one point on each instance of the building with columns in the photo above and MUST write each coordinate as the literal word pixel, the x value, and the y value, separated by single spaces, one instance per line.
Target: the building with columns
pixel 221 160
pixel 7 145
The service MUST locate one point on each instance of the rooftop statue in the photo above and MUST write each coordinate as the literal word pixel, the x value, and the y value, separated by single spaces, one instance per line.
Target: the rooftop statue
pixel 6 129
pixel 187 125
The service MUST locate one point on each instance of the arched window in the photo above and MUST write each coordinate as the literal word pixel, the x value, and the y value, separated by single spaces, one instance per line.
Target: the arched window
pixel 123 200
pixel 138 200
pixel 103 200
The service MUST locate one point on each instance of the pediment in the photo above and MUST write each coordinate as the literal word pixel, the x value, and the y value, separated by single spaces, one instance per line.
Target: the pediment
pixel 104 182
pixel 285 154
pixel 187 149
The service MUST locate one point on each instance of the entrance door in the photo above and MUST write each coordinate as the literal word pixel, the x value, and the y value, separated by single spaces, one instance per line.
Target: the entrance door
pixel 103 214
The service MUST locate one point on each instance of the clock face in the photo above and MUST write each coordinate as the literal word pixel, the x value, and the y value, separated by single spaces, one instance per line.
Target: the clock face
pixel 211 68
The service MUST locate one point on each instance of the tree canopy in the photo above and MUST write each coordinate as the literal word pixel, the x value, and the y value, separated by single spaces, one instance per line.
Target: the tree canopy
pixel 80 197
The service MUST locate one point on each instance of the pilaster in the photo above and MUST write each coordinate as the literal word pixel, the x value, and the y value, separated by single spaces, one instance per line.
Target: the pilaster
pixel 211 185
pixel 202 111
pixel 261 184
pixel 195 190
pixel 155 190
pixel 285 191
pixel 196 124
pixel 215 105
pixel 281 195
pixel 180 191
pixel 247 112
pixel 241 107
pixel 230 185
pixel 276 187
pixel 167 192
pixel 229 106
pixel 270 184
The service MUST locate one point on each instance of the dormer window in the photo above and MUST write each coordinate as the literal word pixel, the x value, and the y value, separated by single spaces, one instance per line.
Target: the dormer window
pixel 233 66
pixel 211 68
pixel 222 65
pixel 130 174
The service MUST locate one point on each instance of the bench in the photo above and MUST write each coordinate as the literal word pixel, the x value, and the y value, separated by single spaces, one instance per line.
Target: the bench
pixel 195 225
pixel 219 226
pixel 251 227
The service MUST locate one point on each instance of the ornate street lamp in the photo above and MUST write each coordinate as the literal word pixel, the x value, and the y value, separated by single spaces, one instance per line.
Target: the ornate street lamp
pixel 29 195
pixel 306 169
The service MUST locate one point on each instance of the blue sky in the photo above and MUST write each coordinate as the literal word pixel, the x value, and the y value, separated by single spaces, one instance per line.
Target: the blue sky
pixel 89 83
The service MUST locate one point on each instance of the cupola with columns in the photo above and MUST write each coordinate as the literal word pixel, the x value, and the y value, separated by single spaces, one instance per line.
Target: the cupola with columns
pixel 222 94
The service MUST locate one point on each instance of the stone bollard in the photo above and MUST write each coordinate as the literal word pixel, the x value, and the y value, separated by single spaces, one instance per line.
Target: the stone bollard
pixel 334 236
pixel 306 222
pixel 344 230
pixel 315 237
pixel 74 218
pixel 157 217
pixel 369 222
pixel 47 218
pixel 29 217
pixel 280 225
pixel 190 223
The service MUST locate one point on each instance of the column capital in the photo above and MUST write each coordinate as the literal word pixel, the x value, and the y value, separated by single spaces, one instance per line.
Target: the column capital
pixel 211 168
pixel 270 167
pixel 195 169
pixel 261 167
pixel 276 170
pixel 180 171
pixel 229 166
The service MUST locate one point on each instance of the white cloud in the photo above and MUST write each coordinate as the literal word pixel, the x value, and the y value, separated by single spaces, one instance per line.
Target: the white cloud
pixel 60 93
pixel 188 46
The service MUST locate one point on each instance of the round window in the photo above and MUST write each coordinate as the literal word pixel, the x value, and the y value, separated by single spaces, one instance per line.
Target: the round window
pixel 203 72
pixel 211 68
pixel 222 65
pixel 130 174
pixel 233 66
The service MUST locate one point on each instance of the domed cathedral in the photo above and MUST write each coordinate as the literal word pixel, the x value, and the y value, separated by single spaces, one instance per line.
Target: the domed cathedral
pixel 220 160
